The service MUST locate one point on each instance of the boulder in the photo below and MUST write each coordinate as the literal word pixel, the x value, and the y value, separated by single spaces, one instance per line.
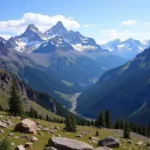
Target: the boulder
pixel 20 147
pixel 62 143
pixel 1 131
pixel 109 142
pixel 28 145
pixel 26 126
pixel 33 139
pixel 3 125
pixel 140 143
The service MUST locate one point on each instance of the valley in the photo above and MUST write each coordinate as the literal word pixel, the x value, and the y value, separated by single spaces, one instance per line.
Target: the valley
pixel 74 75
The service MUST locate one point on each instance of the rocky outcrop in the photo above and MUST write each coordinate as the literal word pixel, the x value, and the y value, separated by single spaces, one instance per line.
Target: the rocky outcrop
pixel 26 126
pixel 62 143
pixel 109 142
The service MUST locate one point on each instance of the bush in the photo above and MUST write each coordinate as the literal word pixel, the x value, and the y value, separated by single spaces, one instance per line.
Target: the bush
pixel 5 145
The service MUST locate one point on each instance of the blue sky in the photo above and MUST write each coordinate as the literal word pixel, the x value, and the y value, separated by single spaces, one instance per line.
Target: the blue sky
pixel 103 20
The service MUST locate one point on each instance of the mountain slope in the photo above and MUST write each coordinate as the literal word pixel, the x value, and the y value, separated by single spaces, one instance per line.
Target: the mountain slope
pixel 31 98
pixel 123 90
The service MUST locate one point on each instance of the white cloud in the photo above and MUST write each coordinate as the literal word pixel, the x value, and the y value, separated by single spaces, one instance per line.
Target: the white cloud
pixel 43 22
pixel 5 36
pixel 109 35
pixel 129 22
pixel 89 25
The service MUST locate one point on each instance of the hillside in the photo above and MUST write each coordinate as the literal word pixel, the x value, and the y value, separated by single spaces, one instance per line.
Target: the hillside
pixel 124 89
pixel 31 98
pixel 43 135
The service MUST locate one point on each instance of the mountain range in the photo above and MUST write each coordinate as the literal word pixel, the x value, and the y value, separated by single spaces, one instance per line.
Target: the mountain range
pixel 58 62
pixel 127 49
pixel 124 91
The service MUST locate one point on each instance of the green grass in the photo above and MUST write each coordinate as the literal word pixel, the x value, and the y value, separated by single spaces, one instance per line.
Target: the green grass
pixel 43 139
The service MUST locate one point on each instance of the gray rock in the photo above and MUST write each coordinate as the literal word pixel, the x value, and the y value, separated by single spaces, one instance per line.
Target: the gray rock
pixel 26 126
pixel 33 139
pixel 20 147
pixel 62 143
pixel 28 145
pixel 109 142
pixel 3 125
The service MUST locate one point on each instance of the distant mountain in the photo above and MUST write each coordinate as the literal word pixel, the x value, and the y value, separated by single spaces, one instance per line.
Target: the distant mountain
pixel 128 48
pixel 123 90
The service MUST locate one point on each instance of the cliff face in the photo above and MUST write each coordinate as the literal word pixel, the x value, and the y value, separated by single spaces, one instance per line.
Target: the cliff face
pixel 24 90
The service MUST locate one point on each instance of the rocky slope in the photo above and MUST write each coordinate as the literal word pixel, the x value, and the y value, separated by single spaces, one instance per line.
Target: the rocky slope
pixel 28 94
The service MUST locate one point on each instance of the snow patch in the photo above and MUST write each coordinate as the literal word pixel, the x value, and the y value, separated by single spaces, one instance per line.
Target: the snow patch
pixel 79 47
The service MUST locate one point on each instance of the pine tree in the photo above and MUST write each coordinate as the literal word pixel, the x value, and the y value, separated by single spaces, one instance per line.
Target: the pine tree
pixel 108 119
pixel 70 124
pixel 126 132
pixel 117 125
pixel 47 118
pixel 15 103
pixel 101 119
pixel 97 133
pixel 140 130
pixel 122 124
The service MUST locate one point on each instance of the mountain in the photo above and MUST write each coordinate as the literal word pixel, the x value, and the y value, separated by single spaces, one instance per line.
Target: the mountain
pixel 78 41
pixel 49 62
pixel 123 90
pixel 28 40
pixel 128 48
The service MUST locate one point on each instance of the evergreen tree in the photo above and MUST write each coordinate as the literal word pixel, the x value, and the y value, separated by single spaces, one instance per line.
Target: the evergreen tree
pixel 70 124
pixel 140 130
pixel 126 132
pixel 97 133
pixel 107 119
pixel 144 132
pixel 101 119
pixel 47 118
pixel 15 103
pixel 118 124
pixel 122 124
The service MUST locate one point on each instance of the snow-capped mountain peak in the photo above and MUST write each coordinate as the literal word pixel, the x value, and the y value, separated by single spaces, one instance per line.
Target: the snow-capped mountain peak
pixel 58 30
pixel 75 38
